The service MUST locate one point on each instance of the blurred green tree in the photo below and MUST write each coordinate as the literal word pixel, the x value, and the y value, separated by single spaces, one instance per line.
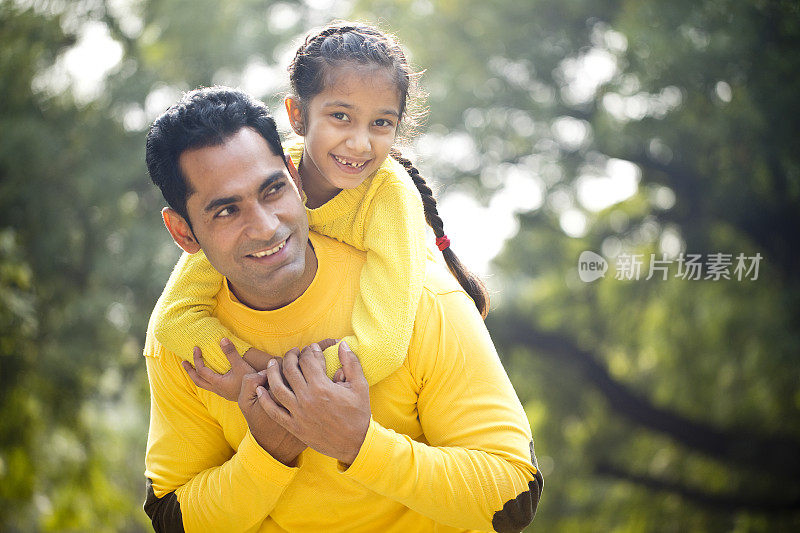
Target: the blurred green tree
pixel 658 404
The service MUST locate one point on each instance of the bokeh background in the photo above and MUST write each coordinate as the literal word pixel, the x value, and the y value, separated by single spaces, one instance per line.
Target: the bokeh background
pixel 554 127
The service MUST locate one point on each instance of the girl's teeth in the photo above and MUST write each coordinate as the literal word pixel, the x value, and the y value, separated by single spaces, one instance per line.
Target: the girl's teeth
pixel 348 163
pixel 269 252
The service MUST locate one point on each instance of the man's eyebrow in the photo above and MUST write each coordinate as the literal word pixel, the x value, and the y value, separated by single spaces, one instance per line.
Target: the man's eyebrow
pixel 339 103
pixel 225 200
pixel 219 202
pixel 271 179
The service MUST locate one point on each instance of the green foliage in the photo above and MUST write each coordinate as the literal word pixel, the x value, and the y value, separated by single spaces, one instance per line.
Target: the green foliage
pixel 621 378
pixel 656 405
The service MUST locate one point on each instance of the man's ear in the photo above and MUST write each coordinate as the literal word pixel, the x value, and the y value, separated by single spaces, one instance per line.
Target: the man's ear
pixel 179 228
pixel 295 111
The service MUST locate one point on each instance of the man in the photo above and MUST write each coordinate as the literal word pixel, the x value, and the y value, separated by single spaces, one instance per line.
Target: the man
pixel 442 444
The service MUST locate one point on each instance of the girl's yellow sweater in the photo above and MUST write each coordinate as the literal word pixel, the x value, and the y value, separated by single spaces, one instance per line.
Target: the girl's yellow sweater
pixel 383 217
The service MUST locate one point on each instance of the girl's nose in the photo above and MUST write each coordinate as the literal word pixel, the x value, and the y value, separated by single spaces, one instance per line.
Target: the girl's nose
pixel 359 141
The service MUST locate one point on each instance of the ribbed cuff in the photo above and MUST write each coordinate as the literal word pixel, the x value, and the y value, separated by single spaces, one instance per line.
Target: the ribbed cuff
pixel 240 345
pixel 373 455
pixel 261 465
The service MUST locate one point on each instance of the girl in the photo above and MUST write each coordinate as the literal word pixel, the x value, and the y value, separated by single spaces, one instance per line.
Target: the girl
pixel 350 86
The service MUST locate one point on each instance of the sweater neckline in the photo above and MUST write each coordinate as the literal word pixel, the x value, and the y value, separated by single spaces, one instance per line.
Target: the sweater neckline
pixel 302 312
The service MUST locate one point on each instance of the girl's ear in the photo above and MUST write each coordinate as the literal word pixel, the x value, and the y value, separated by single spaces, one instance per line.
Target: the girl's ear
pixel 295 111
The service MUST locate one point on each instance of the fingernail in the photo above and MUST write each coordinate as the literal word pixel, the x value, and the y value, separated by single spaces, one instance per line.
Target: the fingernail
pixel 271 363
pixel 259 391
pixel 315 347
pixel 346 347
pixel 263 373
pixel 224 341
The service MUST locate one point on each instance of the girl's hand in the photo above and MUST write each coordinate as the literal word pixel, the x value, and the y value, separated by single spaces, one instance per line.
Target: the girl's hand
pixel 324 344
pixel 254 357
pixel 226 385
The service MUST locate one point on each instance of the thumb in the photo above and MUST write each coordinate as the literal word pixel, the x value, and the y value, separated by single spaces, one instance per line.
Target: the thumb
pixel 353 372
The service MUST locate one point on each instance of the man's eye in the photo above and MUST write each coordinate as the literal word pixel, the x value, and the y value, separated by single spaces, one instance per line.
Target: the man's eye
pixel 275 188
pixel 382 122
pixel 340 116
pixel 225 212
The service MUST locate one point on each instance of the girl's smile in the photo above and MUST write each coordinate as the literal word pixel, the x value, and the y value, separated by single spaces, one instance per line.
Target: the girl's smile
pixel 349 128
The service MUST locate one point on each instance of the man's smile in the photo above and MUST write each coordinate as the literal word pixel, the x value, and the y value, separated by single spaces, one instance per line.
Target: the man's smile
pixel 269 251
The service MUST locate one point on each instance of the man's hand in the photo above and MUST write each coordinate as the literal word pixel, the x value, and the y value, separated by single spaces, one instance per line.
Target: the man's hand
pixel 228 384
pixel 331 418
pixel 270 435
pixel 278 442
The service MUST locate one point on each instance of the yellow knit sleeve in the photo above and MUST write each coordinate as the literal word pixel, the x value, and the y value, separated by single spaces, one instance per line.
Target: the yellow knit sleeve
pixel 475 467
pixel 182 316
pixel 217 488
pixel 390 284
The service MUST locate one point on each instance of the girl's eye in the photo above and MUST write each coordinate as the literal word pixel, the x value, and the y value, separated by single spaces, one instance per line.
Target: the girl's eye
pixel 382 122
pixel 340 116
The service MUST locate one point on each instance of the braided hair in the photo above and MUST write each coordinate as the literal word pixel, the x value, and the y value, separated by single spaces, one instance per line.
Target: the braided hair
pixel 471 283
pixel 346 43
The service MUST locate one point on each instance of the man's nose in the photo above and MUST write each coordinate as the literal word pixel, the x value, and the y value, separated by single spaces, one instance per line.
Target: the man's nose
pixel 262 223
pixel 359 141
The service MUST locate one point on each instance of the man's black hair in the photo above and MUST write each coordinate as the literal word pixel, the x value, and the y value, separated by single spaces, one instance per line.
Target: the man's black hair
pixel 203 117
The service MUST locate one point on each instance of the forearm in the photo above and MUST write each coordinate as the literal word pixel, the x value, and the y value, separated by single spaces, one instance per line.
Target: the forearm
pixel 454 486
pixel 235 496
pixel 182 317
pixel 390 284
pixel 199 479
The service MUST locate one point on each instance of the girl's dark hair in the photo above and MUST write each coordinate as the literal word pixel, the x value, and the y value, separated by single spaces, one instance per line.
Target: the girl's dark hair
pixel 341 43
pixel 469 281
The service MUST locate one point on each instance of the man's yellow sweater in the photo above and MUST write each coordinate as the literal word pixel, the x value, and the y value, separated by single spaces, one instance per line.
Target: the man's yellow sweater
pixel 383 217
pixel 448 447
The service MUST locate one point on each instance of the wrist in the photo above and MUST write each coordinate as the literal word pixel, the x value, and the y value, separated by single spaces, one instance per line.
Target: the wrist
pixel 288 452
pixel 350 455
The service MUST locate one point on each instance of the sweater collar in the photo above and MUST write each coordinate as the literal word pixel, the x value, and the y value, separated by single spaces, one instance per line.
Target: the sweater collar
pixel 306 310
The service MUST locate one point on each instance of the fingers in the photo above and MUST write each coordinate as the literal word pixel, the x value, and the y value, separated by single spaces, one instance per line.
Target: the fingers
pixel 324 344
pixel 250 382
pixel 233 356
pixel 194 376
pixel 278 387
pixel 312 362
pixel 293 374
pixel 274 410
pixel 353 373
pixel 204 372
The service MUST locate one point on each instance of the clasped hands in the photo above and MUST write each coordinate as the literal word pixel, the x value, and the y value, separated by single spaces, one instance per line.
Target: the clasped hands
pixel 291 404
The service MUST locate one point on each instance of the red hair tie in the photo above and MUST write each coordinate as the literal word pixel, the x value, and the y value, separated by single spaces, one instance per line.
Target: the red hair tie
pixel 443 242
